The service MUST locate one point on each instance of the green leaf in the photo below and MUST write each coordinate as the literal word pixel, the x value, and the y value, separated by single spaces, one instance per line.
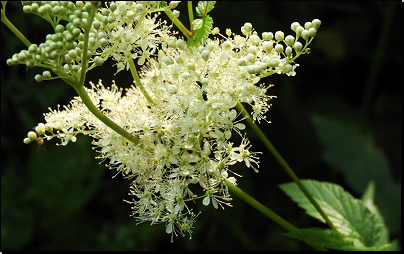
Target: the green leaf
pixel 350 150
pixel 330 239
pixel 201 7
pixel 202 28
pixel 349 215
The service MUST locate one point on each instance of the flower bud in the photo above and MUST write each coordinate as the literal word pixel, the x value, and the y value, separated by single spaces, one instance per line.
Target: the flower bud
pixel 247 27
pixel 254 39
pixel 288 51
pixel 32 135
pixel 316 23
pixel 176 13
pixel 267 46
pixel 297 46
pixel 180 43
pixel 266 36
pixel 279 48
pixel 294 25
pixel 179 59
pixel 307 25
pixel 279 35
pixel 305 34
pixel 40 129
pixel 312 32
pixel 168 60
pixel 205 54
pixel 38 78
pixel 46 75
pixel 289 40
pixel 299 31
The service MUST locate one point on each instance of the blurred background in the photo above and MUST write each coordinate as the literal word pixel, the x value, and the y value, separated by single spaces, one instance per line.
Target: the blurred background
pixel 338 120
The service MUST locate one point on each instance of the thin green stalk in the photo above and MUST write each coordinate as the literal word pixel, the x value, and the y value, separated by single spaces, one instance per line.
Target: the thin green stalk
pixel 283 163
pixel 178 23
pixel 263 209
pixel 87 101
pixel 10 25
pixel 191 15
pixel 137 80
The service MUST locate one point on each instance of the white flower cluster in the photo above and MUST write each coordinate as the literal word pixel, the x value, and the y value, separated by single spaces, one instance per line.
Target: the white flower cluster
pixel 184 135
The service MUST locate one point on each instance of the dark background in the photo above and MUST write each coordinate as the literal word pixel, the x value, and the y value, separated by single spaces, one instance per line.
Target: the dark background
pixel 337 120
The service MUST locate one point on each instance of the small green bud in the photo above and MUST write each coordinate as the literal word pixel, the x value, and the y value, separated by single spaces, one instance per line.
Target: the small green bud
pixel 299 31
pixel 297 46
pixel 27 9
pixel 103 42
pixel 254 39
pixel 316 23
pixel 279 35
pixel 21 56
pixel 139 7
pixel 267 46
pixel 176 13
pixel 294 25
pixel 288 51
pixel 27 141
pixel 180 43
pixel 289 40
pixel 32 135
pixel 305 34
pixel 46 74
pixel 38 78
pixel 98 61
pixel 266 36
pixel 312 32
pixel 279 48
pixel 287 68
pixel 205 54
pixel 113 6
pixel 96 24
pixel 179 59
pixel 247 27
pixel 168 60
pixel 172 43
pixel 307 25
pixel 73 54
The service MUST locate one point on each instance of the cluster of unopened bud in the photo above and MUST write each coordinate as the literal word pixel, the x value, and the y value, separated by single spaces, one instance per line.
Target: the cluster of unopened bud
pixel 275 46
pixel 37 132
pixel 65 47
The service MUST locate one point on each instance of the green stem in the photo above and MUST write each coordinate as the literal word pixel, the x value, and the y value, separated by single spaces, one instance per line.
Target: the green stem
pixel 10 25
pixel 283 163
pixel 137 80
pixel 87 101
pixel 178 23
pixel 263 209
pixel 190 14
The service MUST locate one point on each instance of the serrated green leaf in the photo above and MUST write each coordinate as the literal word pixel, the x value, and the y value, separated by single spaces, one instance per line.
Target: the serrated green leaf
pixel 353 152
pixel 330 239
pixel 321 237
pixel 201 34
pixel 349 215
pixel 201 7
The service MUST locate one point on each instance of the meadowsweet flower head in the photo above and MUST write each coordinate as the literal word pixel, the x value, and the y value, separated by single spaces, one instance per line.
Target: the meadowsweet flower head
pixel 184 127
